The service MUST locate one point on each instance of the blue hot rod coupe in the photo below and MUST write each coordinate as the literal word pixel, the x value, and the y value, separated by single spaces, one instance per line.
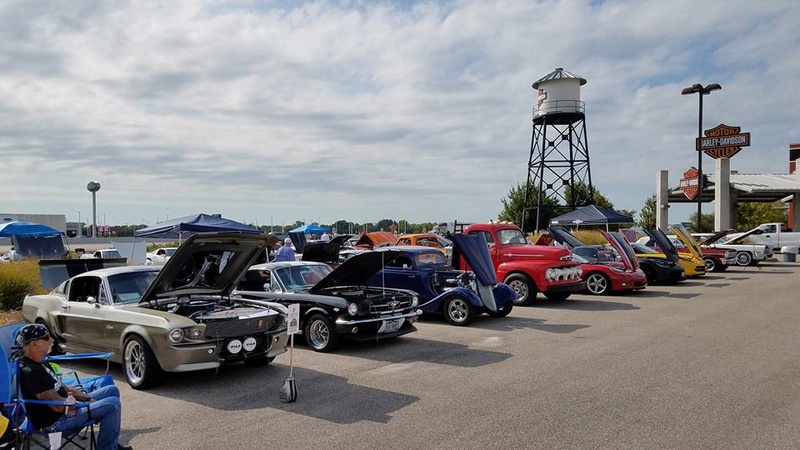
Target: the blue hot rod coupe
pixel 459 295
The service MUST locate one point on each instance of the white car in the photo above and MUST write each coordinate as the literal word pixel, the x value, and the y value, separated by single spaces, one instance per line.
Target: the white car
pixel 102 254
pixel 160 255
pixel 746 254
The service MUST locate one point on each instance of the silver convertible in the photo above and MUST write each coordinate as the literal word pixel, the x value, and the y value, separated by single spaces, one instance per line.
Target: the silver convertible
pixel 176 319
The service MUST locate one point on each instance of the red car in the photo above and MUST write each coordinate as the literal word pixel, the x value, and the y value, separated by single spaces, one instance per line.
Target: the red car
pixel 605 269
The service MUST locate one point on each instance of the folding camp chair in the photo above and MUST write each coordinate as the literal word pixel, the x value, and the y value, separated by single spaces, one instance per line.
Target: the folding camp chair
pixel 14 405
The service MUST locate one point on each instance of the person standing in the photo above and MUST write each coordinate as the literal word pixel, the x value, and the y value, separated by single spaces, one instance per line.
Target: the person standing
pixel 285 253
pixel 38 381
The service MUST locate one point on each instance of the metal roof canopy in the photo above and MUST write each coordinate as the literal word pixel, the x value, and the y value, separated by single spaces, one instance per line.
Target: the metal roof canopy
pixel 749 188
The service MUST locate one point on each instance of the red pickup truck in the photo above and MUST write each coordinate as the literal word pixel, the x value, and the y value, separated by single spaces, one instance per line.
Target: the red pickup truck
pixel 526 268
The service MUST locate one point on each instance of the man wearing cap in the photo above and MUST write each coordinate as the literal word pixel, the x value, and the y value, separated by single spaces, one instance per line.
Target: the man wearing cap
pixel 38 381
pixel 285 253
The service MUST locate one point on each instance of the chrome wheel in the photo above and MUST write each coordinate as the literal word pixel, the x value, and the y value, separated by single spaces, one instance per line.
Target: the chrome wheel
pixel 597 284
pixel 523 287
pixel 711 265
pixel 320 334
pixel 458 311
pixel 744 258
pixel 135 364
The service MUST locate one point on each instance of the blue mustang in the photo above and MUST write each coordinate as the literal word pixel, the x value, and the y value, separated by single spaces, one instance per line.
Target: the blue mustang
pixel 459 295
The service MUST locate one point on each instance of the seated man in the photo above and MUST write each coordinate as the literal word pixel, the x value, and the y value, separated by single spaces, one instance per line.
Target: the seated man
pixel 38 381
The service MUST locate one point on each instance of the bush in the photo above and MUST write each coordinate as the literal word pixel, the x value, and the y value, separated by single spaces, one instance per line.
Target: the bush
pixel 18 279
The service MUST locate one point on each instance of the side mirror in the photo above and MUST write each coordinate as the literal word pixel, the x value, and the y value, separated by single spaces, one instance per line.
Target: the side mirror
pixel 91 300
pixel 267 287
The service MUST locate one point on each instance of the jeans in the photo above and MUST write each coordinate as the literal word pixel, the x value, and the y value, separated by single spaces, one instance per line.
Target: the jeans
pixel 106 411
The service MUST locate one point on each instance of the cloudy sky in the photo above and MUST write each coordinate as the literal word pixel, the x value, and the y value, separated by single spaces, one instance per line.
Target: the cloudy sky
pixel 276 111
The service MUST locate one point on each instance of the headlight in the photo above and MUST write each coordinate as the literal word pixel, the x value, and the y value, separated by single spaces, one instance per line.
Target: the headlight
pixel 175 336
pixel 551 274
pixel 352 309
pixel 579 271
pixel 414 301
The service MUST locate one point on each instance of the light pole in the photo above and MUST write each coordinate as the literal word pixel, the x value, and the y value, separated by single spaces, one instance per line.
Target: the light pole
pixel 93 187
pixel 80 228
pixel 701 90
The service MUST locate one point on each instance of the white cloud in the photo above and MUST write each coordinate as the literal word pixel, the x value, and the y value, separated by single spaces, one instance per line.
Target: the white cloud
pixel 367 110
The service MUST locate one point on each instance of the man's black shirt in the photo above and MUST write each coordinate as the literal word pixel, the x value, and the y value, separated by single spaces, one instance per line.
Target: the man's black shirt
pixel 35 378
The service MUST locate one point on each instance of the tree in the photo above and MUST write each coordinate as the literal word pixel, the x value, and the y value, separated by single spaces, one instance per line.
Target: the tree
pixel 515 202
pixel 707 225
pixel 582 193
pixel 751 215
pixel 647 219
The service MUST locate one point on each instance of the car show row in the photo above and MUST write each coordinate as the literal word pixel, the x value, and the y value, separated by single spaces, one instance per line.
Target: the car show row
pixel 216 299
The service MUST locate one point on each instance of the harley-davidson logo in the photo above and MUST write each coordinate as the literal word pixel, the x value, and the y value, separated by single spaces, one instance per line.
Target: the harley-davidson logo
pixel 723 141
pixel 690 183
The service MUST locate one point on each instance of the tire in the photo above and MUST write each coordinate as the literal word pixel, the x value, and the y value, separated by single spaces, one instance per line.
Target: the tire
pixel 258 361
pixel 140 365
pixel 557 297
pixel 504 310
pixel 458 311
pixel 711 265
pixel 524 288
pixel 56 349
pixel 744 258
pixel 598 284
pixel 723 267
pixel 320 333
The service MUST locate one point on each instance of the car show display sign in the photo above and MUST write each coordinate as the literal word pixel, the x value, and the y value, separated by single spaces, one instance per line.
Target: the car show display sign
pixel 723 141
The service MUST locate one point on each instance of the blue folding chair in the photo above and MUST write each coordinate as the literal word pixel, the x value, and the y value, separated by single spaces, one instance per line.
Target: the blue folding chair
pixel 13 405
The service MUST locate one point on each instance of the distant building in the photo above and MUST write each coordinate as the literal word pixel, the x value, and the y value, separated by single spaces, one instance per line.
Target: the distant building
pixel 55 221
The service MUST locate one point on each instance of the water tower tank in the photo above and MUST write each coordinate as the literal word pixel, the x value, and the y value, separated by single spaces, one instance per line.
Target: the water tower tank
pixel 559 92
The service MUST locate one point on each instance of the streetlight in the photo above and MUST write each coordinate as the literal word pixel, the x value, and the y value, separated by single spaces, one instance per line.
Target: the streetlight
pixel 702 90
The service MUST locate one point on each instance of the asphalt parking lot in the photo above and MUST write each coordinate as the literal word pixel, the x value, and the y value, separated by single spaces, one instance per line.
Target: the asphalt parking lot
pixel 709 363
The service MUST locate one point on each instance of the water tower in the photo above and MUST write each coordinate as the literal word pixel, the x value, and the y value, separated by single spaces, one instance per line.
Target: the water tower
pixel 559 155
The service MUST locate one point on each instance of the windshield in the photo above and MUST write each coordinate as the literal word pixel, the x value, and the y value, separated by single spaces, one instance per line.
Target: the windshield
pixel 170 251
pixel 639 248
pixel 511 237
pixel 130 287
pixel 431 258
pixel 294 278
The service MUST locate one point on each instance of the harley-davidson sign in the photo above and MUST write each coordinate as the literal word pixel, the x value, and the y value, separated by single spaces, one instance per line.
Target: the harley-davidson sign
pixel 690 183
pixel 723 141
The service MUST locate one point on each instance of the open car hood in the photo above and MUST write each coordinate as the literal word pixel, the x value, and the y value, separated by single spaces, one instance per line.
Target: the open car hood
pixel 475 251
pixel 325 252
pixel 207 264
pixel 663 243
pixel 376 239
pixel 621 245
pixel 356 270
pixel 715 237
pixel 688 241
pixel 564 237
pixel 739 238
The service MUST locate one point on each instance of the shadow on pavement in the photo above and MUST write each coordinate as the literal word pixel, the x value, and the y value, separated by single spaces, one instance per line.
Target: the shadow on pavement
pixel 411 349
pixel 583 305
pixel 511 323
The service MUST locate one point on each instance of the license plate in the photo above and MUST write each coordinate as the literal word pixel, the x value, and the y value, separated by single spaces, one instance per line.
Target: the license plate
pixel 390 326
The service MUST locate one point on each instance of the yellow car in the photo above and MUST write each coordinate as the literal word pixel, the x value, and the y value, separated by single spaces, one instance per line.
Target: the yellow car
pixel 692 262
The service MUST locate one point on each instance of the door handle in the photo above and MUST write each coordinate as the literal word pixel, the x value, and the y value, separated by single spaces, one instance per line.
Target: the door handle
pixel 64 307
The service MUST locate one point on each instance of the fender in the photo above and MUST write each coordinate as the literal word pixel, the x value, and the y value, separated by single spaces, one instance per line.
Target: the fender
pixel 503 294
pixel 469 295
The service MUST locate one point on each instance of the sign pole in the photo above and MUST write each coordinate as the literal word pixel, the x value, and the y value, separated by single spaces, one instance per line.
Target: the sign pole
pixel 289 388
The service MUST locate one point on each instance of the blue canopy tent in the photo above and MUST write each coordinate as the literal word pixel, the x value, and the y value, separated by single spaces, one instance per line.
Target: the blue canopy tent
pixel 591 215
pixel 34 240
pixel 310 228
pixel 26 229
pixel 183 227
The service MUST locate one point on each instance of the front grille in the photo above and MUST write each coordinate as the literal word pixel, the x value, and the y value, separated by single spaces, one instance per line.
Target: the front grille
pixel 243 327
pixel 389 305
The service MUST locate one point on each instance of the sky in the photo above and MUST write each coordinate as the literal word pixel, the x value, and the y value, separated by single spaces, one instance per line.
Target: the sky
pixel 269 112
